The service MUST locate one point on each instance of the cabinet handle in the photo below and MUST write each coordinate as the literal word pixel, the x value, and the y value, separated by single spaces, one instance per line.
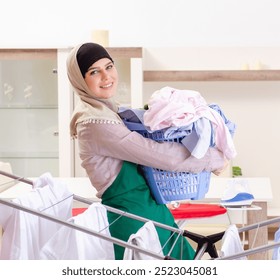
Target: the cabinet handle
pixel 56 133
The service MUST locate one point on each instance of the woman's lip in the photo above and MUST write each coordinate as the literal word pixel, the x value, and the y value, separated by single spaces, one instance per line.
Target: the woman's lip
pixel 107 86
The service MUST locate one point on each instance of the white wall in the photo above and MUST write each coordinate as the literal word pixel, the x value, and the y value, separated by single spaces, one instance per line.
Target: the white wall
pixel 140 22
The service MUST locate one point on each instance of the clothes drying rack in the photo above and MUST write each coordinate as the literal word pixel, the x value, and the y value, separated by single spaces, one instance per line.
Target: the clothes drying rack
pixel 256 249
pixel 205 244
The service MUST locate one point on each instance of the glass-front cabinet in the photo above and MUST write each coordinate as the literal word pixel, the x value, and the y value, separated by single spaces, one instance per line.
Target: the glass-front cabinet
pixel 29 111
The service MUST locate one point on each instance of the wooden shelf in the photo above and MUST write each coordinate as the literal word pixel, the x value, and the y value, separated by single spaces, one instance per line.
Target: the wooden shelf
pixel 27 54
pixel 212 75
pixel 129 52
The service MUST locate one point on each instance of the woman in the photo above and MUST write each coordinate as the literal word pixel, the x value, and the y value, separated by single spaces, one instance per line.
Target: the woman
pixel 111 153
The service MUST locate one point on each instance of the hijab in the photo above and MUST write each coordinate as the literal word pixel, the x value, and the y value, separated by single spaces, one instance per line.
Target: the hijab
pixel 88 108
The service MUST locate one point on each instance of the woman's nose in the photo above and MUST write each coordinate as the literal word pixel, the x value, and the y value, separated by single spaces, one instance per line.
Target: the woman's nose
pixel 105 75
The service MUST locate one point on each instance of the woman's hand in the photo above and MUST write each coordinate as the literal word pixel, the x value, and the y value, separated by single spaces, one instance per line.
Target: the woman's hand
pixel 217 161
pixel 222 169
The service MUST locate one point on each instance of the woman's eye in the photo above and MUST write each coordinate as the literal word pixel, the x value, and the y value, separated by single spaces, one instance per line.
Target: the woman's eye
pixel 93 72
pixel 110 66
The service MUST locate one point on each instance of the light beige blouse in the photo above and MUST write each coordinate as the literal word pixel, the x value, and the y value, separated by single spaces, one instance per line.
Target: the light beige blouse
pixel 104 146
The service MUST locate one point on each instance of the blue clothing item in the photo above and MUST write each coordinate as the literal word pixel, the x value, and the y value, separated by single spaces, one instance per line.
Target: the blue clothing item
pixel 200 139
pixel 230 125
pixel 174 132
pixel 276 250
pixel 131 115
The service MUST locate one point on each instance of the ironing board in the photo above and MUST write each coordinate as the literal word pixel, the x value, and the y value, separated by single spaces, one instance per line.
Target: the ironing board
pixel 197 210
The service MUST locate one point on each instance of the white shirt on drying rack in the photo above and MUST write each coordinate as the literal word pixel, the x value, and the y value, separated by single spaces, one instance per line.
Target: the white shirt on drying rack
pixel 231 243
pixel 80 245
pixel 24 233
pixel 145 238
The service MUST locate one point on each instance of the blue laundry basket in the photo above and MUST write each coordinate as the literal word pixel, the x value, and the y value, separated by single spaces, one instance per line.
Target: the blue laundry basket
pixel 168 186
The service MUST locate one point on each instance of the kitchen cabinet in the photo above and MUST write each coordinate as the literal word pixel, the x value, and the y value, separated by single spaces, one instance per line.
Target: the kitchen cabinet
pixel 29 111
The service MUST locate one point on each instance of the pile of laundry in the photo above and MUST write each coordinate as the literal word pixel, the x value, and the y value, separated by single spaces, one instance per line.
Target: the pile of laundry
pixel 187 114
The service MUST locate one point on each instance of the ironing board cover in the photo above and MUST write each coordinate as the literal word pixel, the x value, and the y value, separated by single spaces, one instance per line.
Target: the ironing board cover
pixel 197 210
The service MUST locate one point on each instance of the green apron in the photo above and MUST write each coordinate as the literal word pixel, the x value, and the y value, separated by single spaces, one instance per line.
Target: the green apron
pixel 129 192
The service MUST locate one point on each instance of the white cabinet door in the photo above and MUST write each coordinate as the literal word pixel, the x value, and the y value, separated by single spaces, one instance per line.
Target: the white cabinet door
pixel 29 111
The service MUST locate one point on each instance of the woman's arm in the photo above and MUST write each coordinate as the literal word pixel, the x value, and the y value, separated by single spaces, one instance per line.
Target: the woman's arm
pixel 116 141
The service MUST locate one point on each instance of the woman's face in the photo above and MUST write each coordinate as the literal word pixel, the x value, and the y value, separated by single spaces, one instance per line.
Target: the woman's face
pixel 102 78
